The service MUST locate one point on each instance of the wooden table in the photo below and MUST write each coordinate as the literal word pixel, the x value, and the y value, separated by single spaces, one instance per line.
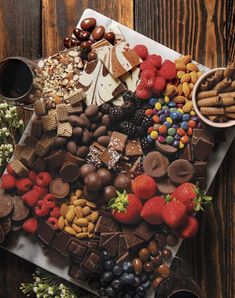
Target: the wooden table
pixel 204 29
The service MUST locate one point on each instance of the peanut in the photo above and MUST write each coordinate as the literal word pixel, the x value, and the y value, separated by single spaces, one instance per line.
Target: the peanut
pixel 186 59
pixel 70 230
pixel 187 108
pixel 72 199
pixel 70 214
pixel 186 89
pixel 179 89
pixel 64 209
pixel 66 222
pixel 192 67
pixel 191 86
pixel 86 210
pixel 78 211
pixel 90 227
pixel 185 78
pixel 194 77
pixel 170 90
pixel 82 235
pixel 61 223
pixel 84 229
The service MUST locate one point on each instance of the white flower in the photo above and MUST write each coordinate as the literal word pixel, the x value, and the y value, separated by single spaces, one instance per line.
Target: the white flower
pixel 61 287
pixel 50 291
pixel 21 122
pixel 35 289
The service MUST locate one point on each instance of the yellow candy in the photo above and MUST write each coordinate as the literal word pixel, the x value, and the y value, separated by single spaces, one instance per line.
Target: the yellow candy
pixel 158 106
pixel 154 135
pixel 181 145
pixel 180 110
pixel 167 99
pixel 192 113
pixel 169 120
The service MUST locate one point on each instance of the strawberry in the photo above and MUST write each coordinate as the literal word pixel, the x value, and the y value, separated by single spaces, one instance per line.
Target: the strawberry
pixel 174 214
pixel 126 208
pixel 152 210
pixel 30 225
pixel 189 229
pixel 24 184
pixel 32 176
pixel 142 92
pixel 10 171
pixel 144 186
pixel 155 59
pixel 31 197
pixel 189 194
pixel 8 181
pixel 141 50
pixel 43 179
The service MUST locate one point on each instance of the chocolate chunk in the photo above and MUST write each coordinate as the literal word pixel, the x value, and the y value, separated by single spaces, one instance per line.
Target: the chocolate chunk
pixel 133 148
pixel 202 133
pixel 166 186
pixel 75 159
pixel 124 258
pixel 156 164
pixel 6 225
pixel 46 232
pixel 20 211
pixel 122 246
pixel 202 182
pixel 77 273
pixel 180 171
pixel 91 262
pixel 105 225
pixel 132 240
pixel 69 171
pixel 200 168
pixel 145 231
pixel 55 158
pixel 165 148
pixel 60 243
pixel 59 189
pixel 110 157
pixel 118 141
pixel 202 149
pixel 111 245
pixel 93 157
pixel 186 153
pixel 137 168
pixel 2 235
pixel 6 205
pixel 105 237
pixel 77 248
pixel 39 165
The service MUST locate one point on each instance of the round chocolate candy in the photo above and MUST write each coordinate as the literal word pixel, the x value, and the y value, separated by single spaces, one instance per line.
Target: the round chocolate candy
pixel 148 267
pixel 93 182
pixel 91 110
pixel 86 169
pixel 106 176
pixel 20 211
pixel 123 182
pixel 157 260
pixel 100 131
pixel 71 147
pixel 155 164
pixel 171 240
pixel 153 248
pixel 84 35
pixel 82 151
pixel 163 270
pixel 166 253
pixel 74 42
pixel 92 56
pixel 103 140
pixel 137 265
pixel 166 186
pixel 85 47
pixel 110 36
pixel 180 171
pixel 106 120
pixel 160 238
pixel 76 32
pixel 156 282
pixel 109 192
pixel 67 41
pixel 6 205
pixel 144 254
pixel 60 142
pixel 69 171
pixel 90 195
pixel 88 24
pixel 59 189
pixel 98 33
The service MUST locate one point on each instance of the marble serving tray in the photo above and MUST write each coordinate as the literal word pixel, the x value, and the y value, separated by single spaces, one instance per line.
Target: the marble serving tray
pixel 28 247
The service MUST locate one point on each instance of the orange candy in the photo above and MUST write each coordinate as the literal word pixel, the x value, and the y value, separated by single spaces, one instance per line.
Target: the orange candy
pixel 162 129
pixel 148 112
pixel 191 123
pixel 184 139
pixel 190 131
pixel 180 131
pixel 156 119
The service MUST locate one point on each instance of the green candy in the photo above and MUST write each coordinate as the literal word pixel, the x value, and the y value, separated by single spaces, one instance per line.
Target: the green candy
pixel 171 131
pixel 169 139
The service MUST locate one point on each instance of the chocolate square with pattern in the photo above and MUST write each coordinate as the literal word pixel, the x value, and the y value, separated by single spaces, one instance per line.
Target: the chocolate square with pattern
pixel 133 148
pixel 118 141
pixel 110 157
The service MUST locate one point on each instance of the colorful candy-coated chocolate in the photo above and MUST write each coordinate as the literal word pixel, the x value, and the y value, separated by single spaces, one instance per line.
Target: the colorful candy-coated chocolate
pixel 173 115
pixel 148 112
pixel 154 135
pixel 169 139
pixel 191 123
pixel 161 139
pixel 177 137
pixel 171 104
pixel 180 110
pixel 150 140
pixel 180 131
pixel 162 129
pixel 199 125
pixel 167 99
pixel 194 118
pixel 154 112
pixel 181 145
pixel 168 119
pixel 152 101
pixel 156 119
pixel 175 125
pixel 167 124
pixel 175 143
pixel 171 131
pixel 156 126
pixel 192 113
pixel 184 139
pixel 161 101
pixel 158 106
pixel 190 131
pixel 162 117
pixel 150 129
pixel 186 117
pixel 184 125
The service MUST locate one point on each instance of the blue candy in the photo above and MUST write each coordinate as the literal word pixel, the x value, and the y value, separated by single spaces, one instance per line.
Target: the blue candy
pixel 176 143
pixel 175 125
pixel 152 101
pixel 150 140
pixel 167 124
pixel 171 104
pixel 184 125
pixel 177 137
pixel 186 117
pixel 173 115
pixel 162 117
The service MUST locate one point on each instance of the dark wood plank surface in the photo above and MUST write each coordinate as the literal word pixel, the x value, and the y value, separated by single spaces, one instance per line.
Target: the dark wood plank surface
pixel 203 28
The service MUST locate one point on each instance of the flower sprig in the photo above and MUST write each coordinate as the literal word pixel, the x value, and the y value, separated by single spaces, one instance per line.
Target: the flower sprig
pixel 47 285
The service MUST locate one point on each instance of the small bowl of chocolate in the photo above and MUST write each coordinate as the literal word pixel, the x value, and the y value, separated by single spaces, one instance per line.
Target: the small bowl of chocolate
pixel 214 97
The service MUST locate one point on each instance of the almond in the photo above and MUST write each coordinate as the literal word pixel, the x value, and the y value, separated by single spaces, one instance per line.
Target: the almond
pixel 82 222
pixel 79 212
pixel 78 193
pixel 179 89
pixel 70 214
pixel 194 77
pixel 90 204
pixel 64 209
pixel 72 199
pixel 70 230
pixel 192 67
pixel 76 228
pixel 84 229
pixel 180 66
pixel 94 216
pixel 82 235
pixel 66 223
pixel 61 223
pixel 179 99
pixel 186 89
pixel 86 210
pixel 80 202
pixel 191 86
pixel 185 78
pixel 90 227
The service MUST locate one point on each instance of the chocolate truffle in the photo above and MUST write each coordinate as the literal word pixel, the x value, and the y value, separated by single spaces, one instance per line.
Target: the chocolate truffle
pixel 108 193
pixel 93 182
pixel 123 182
pixel 86 169
pixel 106 176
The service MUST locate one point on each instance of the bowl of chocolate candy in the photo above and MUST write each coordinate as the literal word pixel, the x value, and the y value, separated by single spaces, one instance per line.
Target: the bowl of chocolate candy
pixel 214 97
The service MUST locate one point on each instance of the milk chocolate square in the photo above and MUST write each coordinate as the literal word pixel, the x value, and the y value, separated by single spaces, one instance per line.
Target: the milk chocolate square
pixel 118 141
pixel 202 133
pixel 133 148
pixel 202 149
pixel 110 157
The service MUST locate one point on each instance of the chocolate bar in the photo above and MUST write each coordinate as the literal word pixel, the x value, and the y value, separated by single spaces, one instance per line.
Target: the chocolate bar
pixel 110 157
pixel 145 231
pixel 132 240
pixel 202 133
pixel 77 273
pixel 133 148
pixel 111 245
pixel 118 141
pixel 106 225
pixel 200 168
pixel 77 248
pixel 91 262
pixel 122 246
pixel 202 149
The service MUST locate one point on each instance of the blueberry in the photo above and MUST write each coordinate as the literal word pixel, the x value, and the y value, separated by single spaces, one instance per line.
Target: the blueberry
pixel 116 284
pixel 117 270
pixel 105 255
pixel 102 292
pixel 144 278
pixel 108 265
pixel 109 291
pixel 127 267
pixel 137 281
pixel 146 285
pixel 140 290
pixel 124 279
pixel 107 276
pixel 126 296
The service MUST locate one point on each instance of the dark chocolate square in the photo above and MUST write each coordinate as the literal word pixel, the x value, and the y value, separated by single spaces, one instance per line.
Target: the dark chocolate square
pixel 111 245
pixel 133 148
pixel 118 141
pixel 186 153
pixel 145 231
pixel 200 168
pixel 122 246
pixel 110 157
pixel 106 225
pixel 202 149
pixel 46 232
pixel 123 258
pixel 132 240
pixel 76 272
pixel 60 243
pixel 91 262
pixel 77 248
pixel 105 237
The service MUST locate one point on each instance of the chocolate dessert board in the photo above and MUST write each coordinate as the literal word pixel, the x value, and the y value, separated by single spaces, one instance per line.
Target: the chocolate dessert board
pixel 28 247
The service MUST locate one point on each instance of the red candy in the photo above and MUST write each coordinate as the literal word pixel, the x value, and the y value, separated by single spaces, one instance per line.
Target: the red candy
pixel 159 84
pixel 191 123
pixel 142 51
pixel 155 59
pixel 142 92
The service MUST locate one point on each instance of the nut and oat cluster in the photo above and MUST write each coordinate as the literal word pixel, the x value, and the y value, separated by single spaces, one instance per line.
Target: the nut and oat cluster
pixel 111 170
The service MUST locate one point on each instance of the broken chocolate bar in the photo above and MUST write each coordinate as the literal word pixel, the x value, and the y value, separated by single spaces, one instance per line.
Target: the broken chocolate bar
pixel 118 141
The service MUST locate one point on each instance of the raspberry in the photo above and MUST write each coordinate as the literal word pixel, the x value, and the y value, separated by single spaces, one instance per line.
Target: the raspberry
pixel 41 190
pixel 10 171
pixel 142 92
pixel 43 179
pixel 32 176
pixel 141 50
pixel 168 71
pixel 147 65
pixel 8 181
pixel 159 84
pixel 156 60
pixel 54 221
pixel 30 225
pixel 24 184
pixel 147 78
pixel 55 212
pixel 168 62
pixel 41 209
pixel 31 197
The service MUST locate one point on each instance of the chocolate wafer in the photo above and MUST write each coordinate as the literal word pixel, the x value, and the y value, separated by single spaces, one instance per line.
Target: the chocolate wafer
pixel 18 151
pixel 39 107
pixel 19 168
pixel 49 121
pixel 61 112
pixel 44 144
pixel 30 141
pixel 64 129
pixel 74 110
pixel 75 98
pixel 6 205
pixel 27 156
